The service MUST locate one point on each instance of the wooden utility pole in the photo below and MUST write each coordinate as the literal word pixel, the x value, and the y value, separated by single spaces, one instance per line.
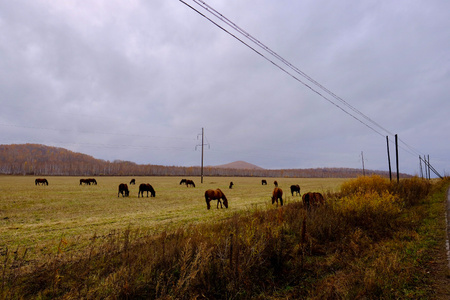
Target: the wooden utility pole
pixel 362 158
pixel 396 155
pixel 203 133
pixel 420 167
pixel 389 159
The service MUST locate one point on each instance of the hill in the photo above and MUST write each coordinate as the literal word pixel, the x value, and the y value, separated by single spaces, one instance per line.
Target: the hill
pixel 39 160
pixel 239 165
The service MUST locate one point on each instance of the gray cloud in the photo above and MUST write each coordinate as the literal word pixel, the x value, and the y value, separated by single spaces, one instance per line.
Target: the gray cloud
pixel 137 81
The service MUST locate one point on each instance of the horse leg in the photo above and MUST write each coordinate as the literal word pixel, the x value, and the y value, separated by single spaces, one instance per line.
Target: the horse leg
pixel 281 201
pixel 207 203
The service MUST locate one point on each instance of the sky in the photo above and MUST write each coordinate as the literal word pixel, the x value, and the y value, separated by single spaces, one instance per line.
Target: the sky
pixel 139 80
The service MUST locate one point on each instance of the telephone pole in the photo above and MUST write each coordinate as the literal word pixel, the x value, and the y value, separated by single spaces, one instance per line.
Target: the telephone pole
pixel 202 145
pixel 362 158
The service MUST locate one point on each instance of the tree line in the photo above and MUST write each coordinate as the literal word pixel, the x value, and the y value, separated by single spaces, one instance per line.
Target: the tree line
pixel 41 160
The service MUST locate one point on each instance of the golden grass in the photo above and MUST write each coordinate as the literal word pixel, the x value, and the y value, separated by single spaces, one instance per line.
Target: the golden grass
pixel 350 248
pixel 39 216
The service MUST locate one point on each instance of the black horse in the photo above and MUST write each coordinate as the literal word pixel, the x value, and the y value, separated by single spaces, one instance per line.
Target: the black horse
pixel 187 182
pixel 40 181
pixel 123 189
pixel 145 187
pixel 264 182
pixel 295 188
pixel 133 181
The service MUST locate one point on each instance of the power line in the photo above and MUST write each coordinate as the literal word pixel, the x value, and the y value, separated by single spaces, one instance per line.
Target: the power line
pixel 241 31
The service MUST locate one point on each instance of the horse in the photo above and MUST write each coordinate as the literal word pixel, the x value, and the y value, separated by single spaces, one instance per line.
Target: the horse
pixel 275 183
pixel 183 181
pixel 263 182
pixel 92 181
pixel 190 182
pixel 123 189
pixel 216 195
pixel 277 194
pixel 40 181
pixel 231 185
pixel 295 188
pixel 145 187
pixel 133 181
pixel 312 199
pixel 85 181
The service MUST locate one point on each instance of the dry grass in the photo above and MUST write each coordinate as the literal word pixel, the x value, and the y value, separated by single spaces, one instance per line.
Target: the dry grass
pixel 344 250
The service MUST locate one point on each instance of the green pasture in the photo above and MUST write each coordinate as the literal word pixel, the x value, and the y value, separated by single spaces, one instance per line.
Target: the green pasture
pixel 37 217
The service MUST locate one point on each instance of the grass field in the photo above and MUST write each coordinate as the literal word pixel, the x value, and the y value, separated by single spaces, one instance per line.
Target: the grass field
pixel 38 217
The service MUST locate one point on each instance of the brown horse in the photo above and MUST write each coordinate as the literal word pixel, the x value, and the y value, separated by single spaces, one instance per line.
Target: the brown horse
pixel 85 181
pixel 277 194
pixel 123 189
pixel 40 181
pixel 295 188
pixel 312 199
pixel 216 195
pixel 275 183
pixel 263 182
pixel 133 181
pixel 146 188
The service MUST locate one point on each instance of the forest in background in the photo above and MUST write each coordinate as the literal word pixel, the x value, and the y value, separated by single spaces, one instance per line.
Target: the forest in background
pixel 41 160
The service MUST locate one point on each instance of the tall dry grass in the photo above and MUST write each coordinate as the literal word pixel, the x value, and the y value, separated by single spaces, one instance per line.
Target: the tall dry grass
pixel 353 247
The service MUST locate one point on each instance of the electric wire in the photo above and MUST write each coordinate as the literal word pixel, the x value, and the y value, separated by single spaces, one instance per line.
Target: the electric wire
pixel 231 24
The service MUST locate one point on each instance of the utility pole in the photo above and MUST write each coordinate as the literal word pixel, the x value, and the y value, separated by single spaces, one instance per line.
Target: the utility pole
pixel 420 166
pixel 203 134
pixel 202 145
pixel 362 158
pixel 396 155
pixel 389 159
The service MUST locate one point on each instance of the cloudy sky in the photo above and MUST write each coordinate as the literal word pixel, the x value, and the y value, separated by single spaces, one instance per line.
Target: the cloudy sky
pixel 138 80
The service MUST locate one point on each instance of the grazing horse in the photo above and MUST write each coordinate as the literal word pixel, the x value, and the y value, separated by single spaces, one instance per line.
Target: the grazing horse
pixel 216 195
pixel 295 188
pixel 277 194
pixel 40 181
pixel 187 182
pixel 146 188
pixel 85 181
pixel 123 189
pixel 275 183
pixel 231 185
pixel 92 181
pixel 190 182
pixel 312 199
pixel 263 182
pixel 133 181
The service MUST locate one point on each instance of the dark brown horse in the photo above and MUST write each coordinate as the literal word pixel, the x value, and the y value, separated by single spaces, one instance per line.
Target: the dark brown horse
pixel 187 182
pixel 92 181
pixel 40 181
pixel 123 189
pixel 145 187
pixel 85 181
pixel 275 183
pixel 312 199
pixel 295 188
pixel 277 194
pixel 231 185
pixel 263 182
pixel 216 195
pixel 133 181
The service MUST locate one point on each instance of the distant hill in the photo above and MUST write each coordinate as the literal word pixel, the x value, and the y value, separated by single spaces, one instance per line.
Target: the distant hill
pixel 39 160
pixel 239 165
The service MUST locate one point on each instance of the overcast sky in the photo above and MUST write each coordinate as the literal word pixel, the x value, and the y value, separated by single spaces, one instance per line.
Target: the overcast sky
pixel 138 80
